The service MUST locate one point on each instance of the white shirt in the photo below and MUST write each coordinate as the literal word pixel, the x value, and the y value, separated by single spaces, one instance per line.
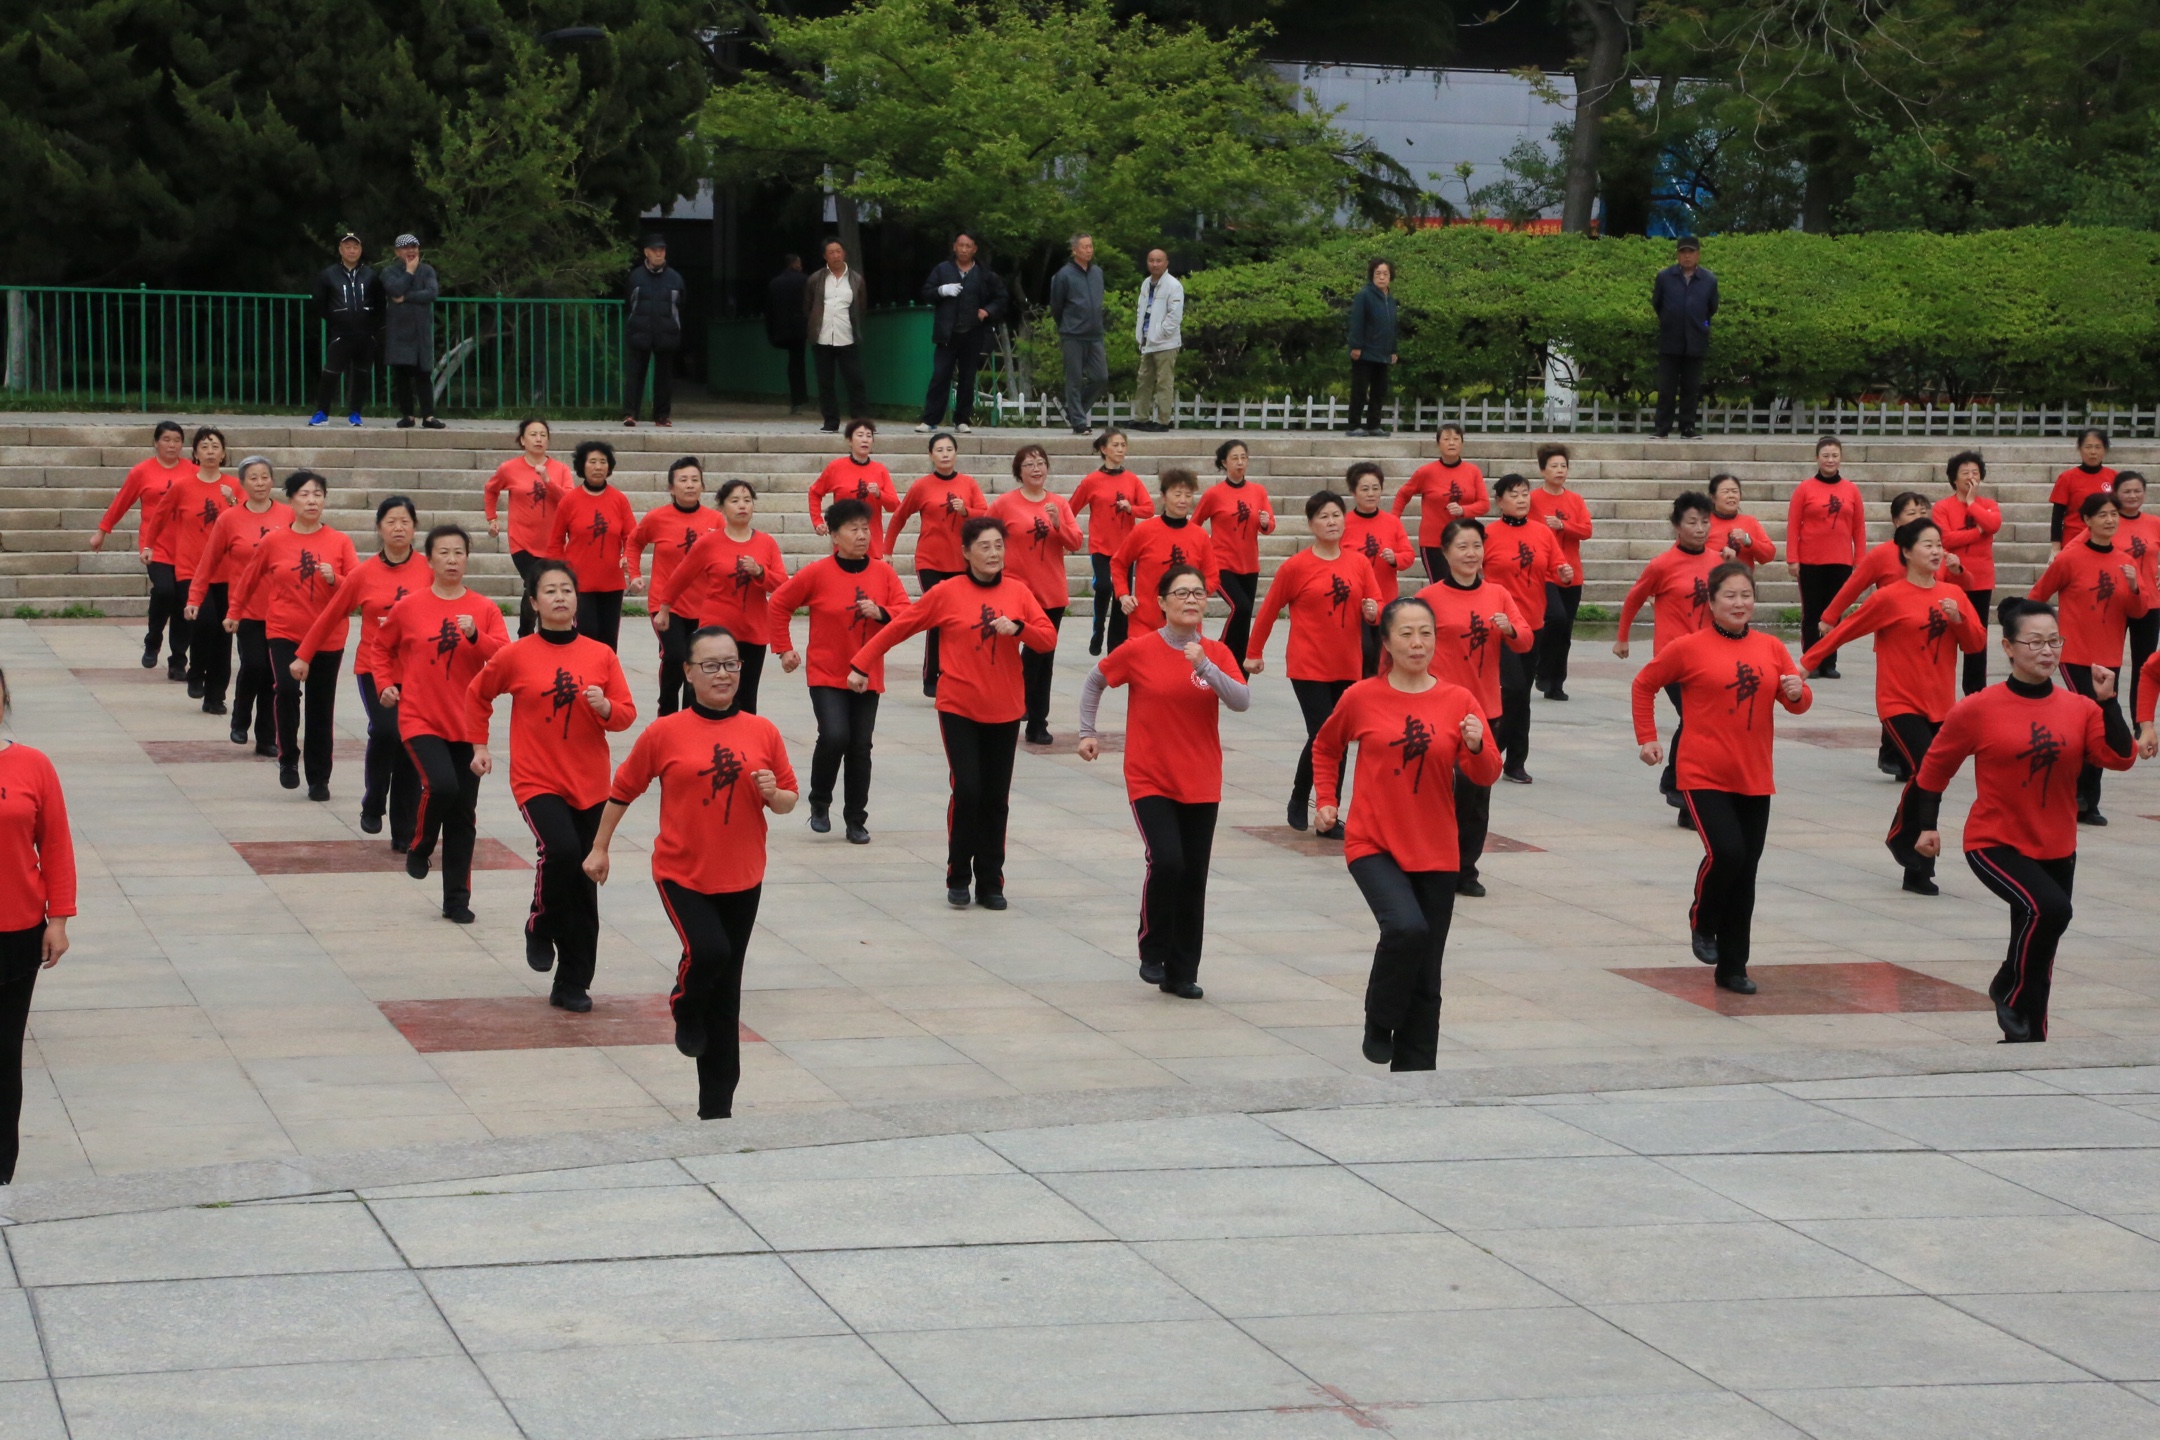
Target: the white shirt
pixel 837 327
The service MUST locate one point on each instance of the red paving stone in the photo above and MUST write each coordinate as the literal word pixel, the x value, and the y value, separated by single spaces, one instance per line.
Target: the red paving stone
pixel 355 857
pixel 531 1023
pixel 1864 987
pixel 1304 842
pixel 1833 739
pixel 213 752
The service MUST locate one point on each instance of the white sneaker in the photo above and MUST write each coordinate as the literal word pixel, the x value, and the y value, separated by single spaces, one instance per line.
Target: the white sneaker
pixel 922 429
pixel 965 429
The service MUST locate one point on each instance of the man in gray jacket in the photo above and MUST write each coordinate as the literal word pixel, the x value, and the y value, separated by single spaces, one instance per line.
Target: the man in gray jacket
pixel 409 290
pixel 1159 328
pixel 1076 304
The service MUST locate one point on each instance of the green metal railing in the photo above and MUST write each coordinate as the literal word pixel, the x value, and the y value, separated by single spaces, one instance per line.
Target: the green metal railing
pixel 145 349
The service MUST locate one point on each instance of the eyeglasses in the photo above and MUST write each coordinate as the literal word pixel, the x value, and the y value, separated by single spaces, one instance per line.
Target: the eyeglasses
pixel 1186 592
pixel 718 667
pixel 2054 643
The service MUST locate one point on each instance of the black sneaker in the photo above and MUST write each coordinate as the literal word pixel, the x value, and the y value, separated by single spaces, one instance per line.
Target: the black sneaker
pixel 176 670
pixel 267 749
pixel 461 915
pixel 1094 648
pixel 370 824
pixel 318 792
pixel 1152 971
pixel 1471 887
pixel 1738 984
pixel 213 707
pixel 431 423
pixel 289 779
pixel 1379 1046
pixel 149 656
pixel 238 735
pixel 1040 735
pixel 1333 832
pixel 929 689
pixel 407 423
pixel 1704 945
pixel 2091 817
pixel 690 1033
pixel 1515 775
pixel 539 952
pixel 991 899
pixel 1183 989
pixel 820 820
pixel 1296 815
pixel 1920 884
pixel 958 897
pixel 416 864
pixel 857 835
pixel 577 1002
pixel 1686 820
pixel 1560 695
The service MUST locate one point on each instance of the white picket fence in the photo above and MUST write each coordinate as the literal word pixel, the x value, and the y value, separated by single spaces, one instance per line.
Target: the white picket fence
pixel 1597 416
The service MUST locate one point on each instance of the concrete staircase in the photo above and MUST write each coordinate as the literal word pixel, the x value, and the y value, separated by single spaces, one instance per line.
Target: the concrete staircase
pixel 57 474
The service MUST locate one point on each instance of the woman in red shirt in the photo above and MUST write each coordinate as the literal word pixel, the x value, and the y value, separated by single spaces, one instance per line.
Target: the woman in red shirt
pixel 535 483
pixel 720 769
pixel 1331 596
pixel 567 695
pixel 1969 526
pixel 1919 625
pixel 1735 535
pixel 1525 557
pixel 1114 500
pixel 1450 488
pixel 1825 534
pixel 37 851
pixel 591 530
pixel 673 530
pixel 730 574
pixel 239 532
pixel 1042 533
pixel 1180 679
pixel 849 595
pixel 2021 833
pixel 855 476
pixel 2137 536
pixel 1677 585
pixel 2089 477
pixel 185 516
pixel 2102 592
pixel 1411 729
pixel 1155 544
pixel 1236 513
pixel 431 647
pixel 946 500
pixel 1563 512
pixel 986 617
pixel 146 483
pixel 292 577
pixel 1729 675
pixel 1376 534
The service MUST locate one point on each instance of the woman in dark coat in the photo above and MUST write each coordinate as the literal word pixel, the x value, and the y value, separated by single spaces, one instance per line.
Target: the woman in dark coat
pixel 1372 349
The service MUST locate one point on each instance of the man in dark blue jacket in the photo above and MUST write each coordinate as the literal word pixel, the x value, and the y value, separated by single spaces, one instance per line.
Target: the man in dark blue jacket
pixel 1684 296
pixel 349 302
pixel 653 322
pixel 970 300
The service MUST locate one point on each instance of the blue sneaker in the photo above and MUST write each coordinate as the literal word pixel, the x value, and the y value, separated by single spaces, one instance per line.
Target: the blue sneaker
pixel 321 417
pixel 354 417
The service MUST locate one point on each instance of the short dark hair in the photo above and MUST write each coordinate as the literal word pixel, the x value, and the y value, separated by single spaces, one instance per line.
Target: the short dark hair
pixel 2123 477
pixel 1823 442
pixel 1720 478
pixel 1174 476
pixel 1908 534
pixel 1360 469
pixel 1395 607
pixel 528 422
pixel 446 532
pixel 396 502
pixel 1320 499
pixel 1688 500
pixel 789 257
pixel 978 526
pixel 1222 452
pixel 203 433
pixel 1959 461
pixel 941 435
pixel 2094 432
pixel 298 478
pixel 729 486
pixel 963 233
pixel 1546 452
pixel 2094 503
pixel 860 422
pixel 1447 425
pixel 1453 528
pixel 1023 452
pixel 1727 571
pixel 1372 267
pixel 708 632
pixel 2012 614
pixel 827 244
pixel 1175 573
pixel 1509 481
pixel 845 512
pixel 540 568
pixel 686 462
pixel 1904 498
pixel 587 448
pixel 1108 432
pixel 163 426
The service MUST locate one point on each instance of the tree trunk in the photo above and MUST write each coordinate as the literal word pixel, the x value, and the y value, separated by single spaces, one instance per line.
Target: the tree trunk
pixel 850 227
pixel 1607 22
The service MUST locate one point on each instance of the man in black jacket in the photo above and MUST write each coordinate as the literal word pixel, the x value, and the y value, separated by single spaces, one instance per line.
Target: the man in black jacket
pixel 653 306
pixel 1685 298
pixel 349 302
pixel 970 300
pixel 787 329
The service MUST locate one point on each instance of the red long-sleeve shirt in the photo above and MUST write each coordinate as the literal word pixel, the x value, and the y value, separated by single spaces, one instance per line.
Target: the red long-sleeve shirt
pixel 980 677
pixel 937 539
pixel 2097 601
pixel 1882 565
pixel 712 819
pixel 1038 537
pixel 2071 488
pixel 238 535
pixel 1678 581
pixel 1236 514
pixel 286 584
pixel 1968 531
pixel 1466 650
pixel 1097 495
pixel 1409 747
pixel 869 482
pixel 146 482
pixel 1436 486
pixel 831 589
pixel 732 596
pixel 672 531
pixel 1153 547
pixel 374 587
pixel 1760 549
pixel 558 745
pixel 1825 523
pixel 2148 687
pixel 1173 736
pixel 1916 646
pixel 37 853
pixel 1372 534
pixel 1727 687
pixel 432 662
pixel 2027 745
pixel 1326 599
pixel 186 514
pixel 592 530
pixel 2138 537
pixel 1575 527
pixel 533 497
pixel 1524 556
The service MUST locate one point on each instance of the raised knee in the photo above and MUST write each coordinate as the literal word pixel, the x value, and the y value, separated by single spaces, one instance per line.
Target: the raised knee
pixel 1407 933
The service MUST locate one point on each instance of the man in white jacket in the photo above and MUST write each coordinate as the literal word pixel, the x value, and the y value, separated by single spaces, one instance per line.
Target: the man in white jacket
pixel 1159 329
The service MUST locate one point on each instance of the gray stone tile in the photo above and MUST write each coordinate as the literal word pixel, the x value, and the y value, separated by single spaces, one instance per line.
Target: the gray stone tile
pixel 1386 1360
pixel 1970 1412
pixel 2106 1080
pixel 1030 1372
pixel 732 1387
pixel 1322 1419
pixel 438 1399
pixel 981 1286
pixel 1007 1209
pixel 30 1411
pixel 1984 1082
pixel 1998 1254
pixel 1197 1142
pixel 2005 1122
pixel 20 1357
pixel 1526 1194
pixel 253 1320
pixel 629 1302
pixel 1753 1345
pixel 1344 1275
pixel 2112 1334
pixel 1430 1132
pixel 199 1243
pixel 2104 1182
pixel 1747 1127
pixel 588 1177
pixel 521 1228
pixel 1861 1187
pixel 1614 1265
pixel 1232 1204
pixel 1607 1417
pixel 861 1160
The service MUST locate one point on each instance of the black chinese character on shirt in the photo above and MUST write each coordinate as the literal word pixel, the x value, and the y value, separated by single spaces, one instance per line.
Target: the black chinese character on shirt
pixel 2040 756
pixel 1746 685
pixel 725 770
pixel 1417 738
pixel 446 638
pixel 563 694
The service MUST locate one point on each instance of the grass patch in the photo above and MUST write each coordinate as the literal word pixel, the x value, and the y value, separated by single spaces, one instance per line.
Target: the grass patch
pixel 64 612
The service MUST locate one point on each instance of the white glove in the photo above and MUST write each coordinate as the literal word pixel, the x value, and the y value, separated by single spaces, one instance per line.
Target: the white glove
pixel 948 291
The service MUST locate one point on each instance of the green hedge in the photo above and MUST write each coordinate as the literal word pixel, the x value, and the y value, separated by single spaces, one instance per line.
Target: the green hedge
pixel 2038 316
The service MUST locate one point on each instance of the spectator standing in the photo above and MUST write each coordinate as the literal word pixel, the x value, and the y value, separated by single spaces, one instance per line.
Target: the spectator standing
pixel 409 289
pixel 653 302
pixel 1076 304
pixel 349 302
pixel 1372 349
pixel 835 303
pixel 1160 331
pixel 785 328
pixel 1684 295
pixel 970 300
